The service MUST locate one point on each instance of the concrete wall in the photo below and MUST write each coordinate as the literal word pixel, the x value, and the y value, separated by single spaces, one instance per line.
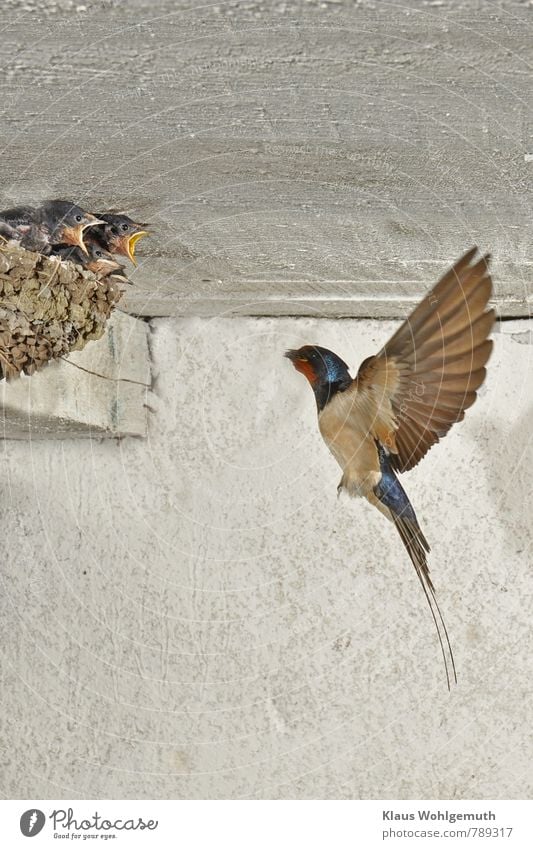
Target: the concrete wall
pixel 197 615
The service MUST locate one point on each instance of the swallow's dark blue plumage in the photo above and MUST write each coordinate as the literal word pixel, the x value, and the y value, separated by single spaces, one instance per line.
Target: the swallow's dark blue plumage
pixel 404 400
pixel 54 222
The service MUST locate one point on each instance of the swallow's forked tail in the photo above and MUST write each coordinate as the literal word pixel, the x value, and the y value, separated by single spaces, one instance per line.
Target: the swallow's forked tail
pixel 391 494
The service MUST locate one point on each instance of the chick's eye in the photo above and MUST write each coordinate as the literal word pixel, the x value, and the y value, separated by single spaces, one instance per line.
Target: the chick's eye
pixel 124 227
pixel 78 217
pixel 98 253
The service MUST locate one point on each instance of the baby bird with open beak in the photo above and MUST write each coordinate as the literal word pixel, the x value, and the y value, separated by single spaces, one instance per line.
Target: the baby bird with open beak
pixel 118 234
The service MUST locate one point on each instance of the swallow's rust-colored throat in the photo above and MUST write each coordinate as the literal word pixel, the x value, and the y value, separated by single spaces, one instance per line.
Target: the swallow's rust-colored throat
pixel 302 364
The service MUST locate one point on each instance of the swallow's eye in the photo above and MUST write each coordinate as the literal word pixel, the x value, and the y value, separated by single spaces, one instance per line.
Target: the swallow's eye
pixel 98 253
pixel 78 217
pixel 124 227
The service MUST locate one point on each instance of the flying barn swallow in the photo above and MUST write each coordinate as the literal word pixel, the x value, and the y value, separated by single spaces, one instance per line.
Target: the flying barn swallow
pixel 54 222
pixel 403 400
pixel 118 234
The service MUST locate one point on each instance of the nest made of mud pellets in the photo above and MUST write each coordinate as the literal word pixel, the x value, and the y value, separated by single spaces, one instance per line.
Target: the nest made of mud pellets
pixel 48 308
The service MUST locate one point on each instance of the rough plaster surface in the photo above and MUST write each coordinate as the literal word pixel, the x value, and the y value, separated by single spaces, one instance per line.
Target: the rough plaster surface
pixel 197 615
pixel 296 157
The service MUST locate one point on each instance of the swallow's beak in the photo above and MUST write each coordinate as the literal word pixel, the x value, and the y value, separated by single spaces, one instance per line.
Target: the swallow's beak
pixel 301 364
pixel 91 220
pixel 131 242
pixel 74 235
pixel 120 278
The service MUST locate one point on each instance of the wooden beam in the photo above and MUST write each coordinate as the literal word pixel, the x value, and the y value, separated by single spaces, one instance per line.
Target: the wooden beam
pixel 380 290
pixel 295 158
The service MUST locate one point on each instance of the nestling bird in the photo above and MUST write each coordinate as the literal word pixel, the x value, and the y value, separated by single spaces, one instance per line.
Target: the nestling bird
pixel 97 260
pixel 54 222
pixel 403 400
pixel 118 234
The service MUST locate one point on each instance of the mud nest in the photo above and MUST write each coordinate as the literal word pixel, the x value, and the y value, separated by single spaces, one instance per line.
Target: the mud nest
pixel 48 308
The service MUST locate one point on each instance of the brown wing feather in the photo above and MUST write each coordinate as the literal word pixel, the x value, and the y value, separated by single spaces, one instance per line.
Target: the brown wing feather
pixel 427 375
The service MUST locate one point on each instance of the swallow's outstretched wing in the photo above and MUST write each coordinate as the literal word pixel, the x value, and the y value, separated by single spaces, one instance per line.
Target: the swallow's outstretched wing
pixel 427 375
pixel 418 386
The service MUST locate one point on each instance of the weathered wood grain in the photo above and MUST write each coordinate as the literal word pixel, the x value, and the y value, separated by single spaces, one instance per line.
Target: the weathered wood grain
pixel 296 157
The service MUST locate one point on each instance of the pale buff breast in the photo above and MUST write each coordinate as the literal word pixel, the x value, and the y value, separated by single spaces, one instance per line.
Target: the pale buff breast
pixel 346 425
